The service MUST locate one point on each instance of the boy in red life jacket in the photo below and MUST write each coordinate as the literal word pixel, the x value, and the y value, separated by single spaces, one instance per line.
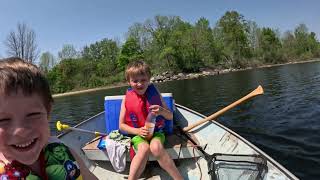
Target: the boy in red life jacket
pixel 26 148
pixel 143 98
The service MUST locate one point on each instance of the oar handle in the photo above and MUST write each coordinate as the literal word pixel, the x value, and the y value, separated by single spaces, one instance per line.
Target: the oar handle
pixel 62 127
pixel 87 131
pixel 257 91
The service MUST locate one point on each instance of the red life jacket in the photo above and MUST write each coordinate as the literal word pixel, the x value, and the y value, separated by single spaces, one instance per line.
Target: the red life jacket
pixel 137 107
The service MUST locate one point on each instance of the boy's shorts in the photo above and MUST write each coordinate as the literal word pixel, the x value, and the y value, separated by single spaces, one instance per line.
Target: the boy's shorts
pixel 136 140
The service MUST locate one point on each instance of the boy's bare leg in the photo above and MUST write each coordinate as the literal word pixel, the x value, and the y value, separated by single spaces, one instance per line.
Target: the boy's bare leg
pixel 164 159
pixel 139 161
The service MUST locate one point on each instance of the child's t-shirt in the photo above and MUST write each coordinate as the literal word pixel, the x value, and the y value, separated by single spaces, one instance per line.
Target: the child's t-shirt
pixel 57 160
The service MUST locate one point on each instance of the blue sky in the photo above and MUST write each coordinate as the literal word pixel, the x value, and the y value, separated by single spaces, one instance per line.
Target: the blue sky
pixel 81 22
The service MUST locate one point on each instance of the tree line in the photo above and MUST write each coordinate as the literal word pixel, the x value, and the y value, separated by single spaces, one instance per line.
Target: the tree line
pixel 168 43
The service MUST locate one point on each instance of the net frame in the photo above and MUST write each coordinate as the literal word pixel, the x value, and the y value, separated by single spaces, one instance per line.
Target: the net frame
pixel 237 166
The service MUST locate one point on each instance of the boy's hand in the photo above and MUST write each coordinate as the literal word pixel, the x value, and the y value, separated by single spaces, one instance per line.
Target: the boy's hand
pixel 156 109
pixel 143 131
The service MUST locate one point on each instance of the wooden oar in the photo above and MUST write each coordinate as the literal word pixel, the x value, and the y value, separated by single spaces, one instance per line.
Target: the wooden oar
pixel 257 91
pixel 62 127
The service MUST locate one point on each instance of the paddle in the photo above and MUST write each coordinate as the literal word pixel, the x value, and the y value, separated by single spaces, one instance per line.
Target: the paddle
pixel 257 91
pixel 62 127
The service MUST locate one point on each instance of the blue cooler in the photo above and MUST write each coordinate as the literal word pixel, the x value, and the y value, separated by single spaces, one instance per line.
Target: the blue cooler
pixel 112 106
pixel 170 103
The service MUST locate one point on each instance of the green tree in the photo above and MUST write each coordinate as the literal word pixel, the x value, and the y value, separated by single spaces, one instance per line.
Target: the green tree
pixel 205 47
pixel 68 52
pixel 314 44
pixel 269 45
pixel 235 29
pixel 47 61
pixel 61 76
pixel 104 53
pixel 130 51
pixel 253 35
pixel 161 28
pixel 306 43
pixel 140 34
pixel 220 54
pixel 288 46
pixel 175 42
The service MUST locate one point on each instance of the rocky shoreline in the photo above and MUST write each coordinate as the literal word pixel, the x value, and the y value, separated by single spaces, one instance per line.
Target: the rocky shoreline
pixel 169 76
pixel 158 78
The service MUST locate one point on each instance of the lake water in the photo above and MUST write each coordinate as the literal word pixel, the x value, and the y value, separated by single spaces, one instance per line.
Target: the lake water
pixel 284 122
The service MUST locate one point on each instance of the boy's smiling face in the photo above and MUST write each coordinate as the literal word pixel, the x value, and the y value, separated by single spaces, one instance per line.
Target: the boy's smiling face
pixel 24 127
pixel 139 83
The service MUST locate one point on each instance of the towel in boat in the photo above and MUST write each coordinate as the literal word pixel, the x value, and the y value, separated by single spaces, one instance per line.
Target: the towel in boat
pixel 117 136
pixel 116 146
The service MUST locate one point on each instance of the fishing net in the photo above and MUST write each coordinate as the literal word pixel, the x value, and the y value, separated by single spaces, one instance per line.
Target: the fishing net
pixel 237 167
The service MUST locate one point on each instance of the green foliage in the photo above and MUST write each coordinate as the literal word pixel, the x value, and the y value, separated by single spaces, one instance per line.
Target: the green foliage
pixel 301 44
pixel 140 34
pixel 130 51
pixel 168 43
pixel 269 46
pixel 234 29
pixel 47 61
pixel 68 52
pixel 306 43
pixel 60 76
pixel 104 53
pixel 116 78
pixel 288 46
pixel 253 36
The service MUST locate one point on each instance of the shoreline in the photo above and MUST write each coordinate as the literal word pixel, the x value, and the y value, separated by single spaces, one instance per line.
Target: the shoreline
pixel 122 84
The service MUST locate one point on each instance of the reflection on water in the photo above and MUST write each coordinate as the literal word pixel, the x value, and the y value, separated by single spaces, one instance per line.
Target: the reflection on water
pixel 284 122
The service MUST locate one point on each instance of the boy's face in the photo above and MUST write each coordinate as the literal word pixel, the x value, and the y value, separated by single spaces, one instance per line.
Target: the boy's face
pixel 139 83
pixel 24 127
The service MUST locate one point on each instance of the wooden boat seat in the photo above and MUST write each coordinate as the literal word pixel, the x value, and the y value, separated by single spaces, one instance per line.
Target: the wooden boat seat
pixel 176 146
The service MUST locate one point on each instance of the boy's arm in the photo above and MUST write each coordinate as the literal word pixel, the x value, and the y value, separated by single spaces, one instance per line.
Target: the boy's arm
pixel 124 127
pixel 164 110
pixel 86 174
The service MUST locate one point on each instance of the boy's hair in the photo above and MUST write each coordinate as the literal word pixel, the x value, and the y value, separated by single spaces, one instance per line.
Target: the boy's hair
pixel 138 67
pixel 16 74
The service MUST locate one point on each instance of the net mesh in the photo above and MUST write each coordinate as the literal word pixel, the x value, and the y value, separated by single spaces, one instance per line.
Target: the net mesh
pixel 237 167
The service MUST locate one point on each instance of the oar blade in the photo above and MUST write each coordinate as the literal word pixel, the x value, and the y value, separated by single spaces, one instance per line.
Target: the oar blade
pixel 259 90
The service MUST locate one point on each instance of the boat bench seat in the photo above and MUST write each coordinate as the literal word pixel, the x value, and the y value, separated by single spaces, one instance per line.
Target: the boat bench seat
pixel 177 148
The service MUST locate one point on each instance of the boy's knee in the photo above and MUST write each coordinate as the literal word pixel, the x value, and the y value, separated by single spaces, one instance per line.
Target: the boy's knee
pixel 156 148
pixel 143 148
